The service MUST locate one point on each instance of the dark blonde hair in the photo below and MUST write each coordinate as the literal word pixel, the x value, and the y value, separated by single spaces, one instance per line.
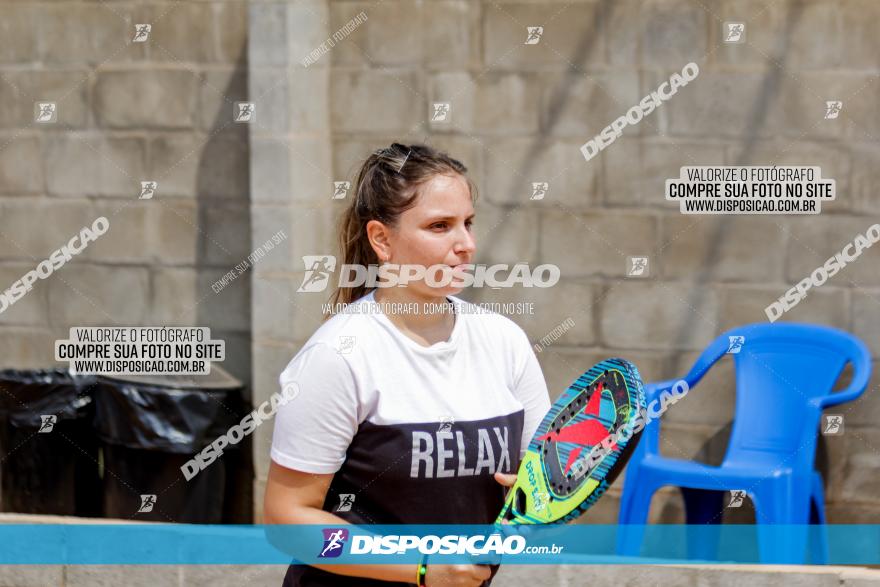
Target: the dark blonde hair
pixel 386 186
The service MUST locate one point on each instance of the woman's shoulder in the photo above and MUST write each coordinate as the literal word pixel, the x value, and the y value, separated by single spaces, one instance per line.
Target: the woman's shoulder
pixel 340 327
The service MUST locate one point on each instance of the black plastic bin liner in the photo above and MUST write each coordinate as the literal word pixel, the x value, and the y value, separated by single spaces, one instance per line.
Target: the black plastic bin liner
pixel 55 471
pixel 150 427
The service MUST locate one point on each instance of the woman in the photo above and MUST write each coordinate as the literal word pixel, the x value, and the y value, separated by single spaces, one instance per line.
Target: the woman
pixel 404 417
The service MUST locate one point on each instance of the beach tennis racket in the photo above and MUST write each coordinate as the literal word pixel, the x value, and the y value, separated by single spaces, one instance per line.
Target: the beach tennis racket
pixel 578 449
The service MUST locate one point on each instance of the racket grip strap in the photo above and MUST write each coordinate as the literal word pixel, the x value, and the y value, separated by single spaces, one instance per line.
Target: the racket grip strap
pixel 422 571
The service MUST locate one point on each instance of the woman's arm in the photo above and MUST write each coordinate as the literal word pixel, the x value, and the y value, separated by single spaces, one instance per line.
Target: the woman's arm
pixel 295 497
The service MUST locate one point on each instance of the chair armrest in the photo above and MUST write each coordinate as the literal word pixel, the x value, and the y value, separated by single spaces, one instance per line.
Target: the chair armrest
pixel 854 390
pixel 862 365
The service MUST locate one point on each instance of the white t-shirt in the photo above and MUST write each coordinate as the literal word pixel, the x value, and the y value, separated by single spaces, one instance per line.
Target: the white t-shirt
pixel 403 426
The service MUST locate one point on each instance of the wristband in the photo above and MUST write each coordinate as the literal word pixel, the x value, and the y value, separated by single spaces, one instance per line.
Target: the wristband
pixel 422 571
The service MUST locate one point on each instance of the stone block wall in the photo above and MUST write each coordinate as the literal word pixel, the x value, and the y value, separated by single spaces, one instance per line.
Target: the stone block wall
pixel 162 110
pixel 519 114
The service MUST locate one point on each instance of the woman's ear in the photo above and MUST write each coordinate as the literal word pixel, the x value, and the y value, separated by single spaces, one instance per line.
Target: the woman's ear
pixel 380 239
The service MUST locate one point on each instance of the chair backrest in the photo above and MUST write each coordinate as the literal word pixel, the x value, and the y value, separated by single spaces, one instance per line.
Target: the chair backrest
pixel 783 372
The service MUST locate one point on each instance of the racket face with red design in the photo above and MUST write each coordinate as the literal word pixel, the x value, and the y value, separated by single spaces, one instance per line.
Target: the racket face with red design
pixel 579 448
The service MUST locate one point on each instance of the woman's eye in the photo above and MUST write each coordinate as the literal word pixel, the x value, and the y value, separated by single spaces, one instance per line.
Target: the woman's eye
pixel 438 225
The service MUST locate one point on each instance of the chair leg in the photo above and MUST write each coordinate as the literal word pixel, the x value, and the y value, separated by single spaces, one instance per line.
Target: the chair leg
pixel 632 519
pixel 781 512
pixel 818 533
pixel 702 507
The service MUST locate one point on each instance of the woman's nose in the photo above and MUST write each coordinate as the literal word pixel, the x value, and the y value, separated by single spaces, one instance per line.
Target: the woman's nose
pixel 466 242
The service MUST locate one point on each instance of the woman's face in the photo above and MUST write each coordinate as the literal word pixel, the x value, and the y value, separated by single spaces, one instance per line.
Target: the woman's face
pixel 436 231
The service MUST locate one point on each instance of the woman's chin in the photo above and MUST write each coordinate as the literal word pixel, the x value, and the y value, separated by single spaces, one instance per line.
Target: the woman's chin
pixel 442 292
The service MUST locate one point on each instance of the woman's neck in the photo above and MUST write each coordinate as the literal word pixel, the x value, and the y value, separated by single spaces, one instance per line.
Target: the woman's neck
pixel 427 320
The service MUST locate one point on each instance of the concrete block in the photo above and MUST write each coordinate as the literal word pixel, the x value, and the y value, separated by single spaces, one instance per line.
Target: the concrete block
pixel 62 41
pixel 134 575
pixel 746 305
pixel 450 37
pixel 178 232
pixel 353 105
pixel 28 348
pixel 21 169
pixel 32 575
pixel 721 248
pixel 20 239
pixel 160 98
pixel 609 237
pixel 20 36
pixel 514 165
pixel 129 238
pixel 219 90
pixel 572 36
pixel 505 235
pixel 93 295
pixel 636 170
pixel 87 164
pixel 645 315
pixel 674 32
pixel 812 241
pixel 32 309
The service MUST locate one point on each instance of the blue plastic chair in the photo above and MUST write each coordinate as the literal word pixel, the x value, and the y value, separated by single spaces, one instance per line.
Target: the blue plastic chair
pixel 785 374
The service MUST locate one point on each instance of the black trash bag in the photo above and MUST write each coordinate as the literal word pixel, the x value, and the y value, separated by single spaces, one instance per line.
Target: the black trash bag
pixel 150 427
pixel 49 453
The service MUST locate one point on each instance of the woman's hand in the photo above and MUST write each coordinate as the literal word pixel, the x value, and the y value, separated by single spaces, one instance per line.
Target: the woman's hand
pixel 456 575
pixel 506 479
